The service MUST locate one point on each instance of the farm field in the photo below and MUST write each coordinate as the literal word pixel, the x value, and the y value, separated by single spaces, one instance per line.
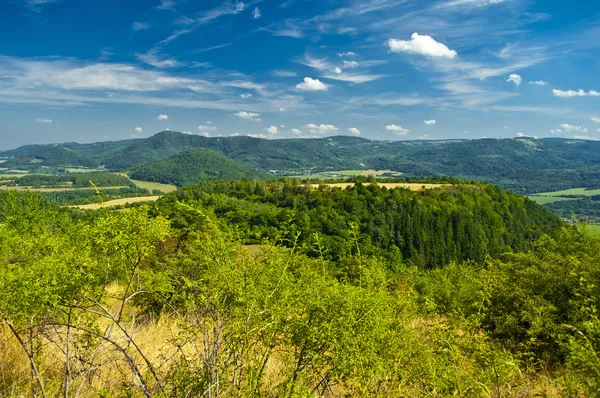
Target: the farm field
pixel 19 188
pixel 351 173
pixel 572 191
pixel 544 200
pixel 117 202
pixel 164 188
pixel 412 187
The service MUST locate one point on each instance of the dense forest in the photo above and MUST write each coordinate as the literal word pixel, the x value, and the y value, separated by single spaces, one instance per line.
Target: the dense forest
pixel 168 300
pixel 523 165
pixel 429 228
pixel 194 166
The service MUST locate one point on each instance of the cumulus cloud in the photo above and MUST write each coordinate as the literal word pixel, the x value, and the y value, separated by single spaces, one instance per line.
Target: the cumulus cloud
pixel 246 95
pixel 248 116
pixel 573 93
pixel 163 117
pixel 571 128
pixel 256 14
pixel 321 128
pixel 595 119
pixel 273 130
pixel 312 85
pixel 347 54
pixel 257 135
pixel 296 131
pixel 516 79
pixel 139 129
pixel 539 83
pixel 354 130
pixel 207 128
pixel 398 130
pixel 43 120
pixel 423 45
pixel 429 122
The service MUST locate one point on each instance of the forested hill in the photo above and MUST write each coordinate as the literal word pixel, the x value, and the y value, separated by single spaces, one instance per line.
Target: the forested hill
pixel 524 165
pixel 428 228
pixel 194 166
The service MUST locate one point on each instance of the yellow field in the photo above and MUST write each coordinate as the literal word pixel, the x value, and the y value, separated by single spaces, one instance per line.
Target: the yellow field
pixel 117 202
pixel 389 185
pixel 16 188
pixel 2 160
pixel 164 188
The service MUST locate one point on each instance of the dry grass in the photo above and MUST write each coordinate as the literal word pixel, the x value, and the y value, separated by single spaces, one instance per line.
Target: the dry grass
pixel 164 188
pixel 389 185
pixel 118 202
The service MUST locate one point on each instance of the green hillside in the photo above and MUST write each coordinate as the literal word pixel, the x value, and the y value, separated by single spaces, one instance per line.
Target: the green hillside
pixel 192 167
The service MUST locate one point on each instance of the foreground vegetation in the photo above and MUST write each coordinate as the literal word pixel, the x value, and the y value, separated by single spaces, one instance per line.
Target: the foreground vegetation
pixel 135 303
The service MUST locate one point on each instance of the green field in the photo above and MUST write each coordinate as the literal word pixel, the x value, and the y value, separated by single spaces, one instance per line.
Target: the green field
pixel 544 200
pixel 164 188
pixel 594 229
pixel 572 191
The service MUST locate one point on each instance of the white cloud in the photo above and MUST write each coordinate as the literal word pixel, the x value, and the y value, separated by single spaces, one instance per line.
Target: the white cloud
pixel 283 73
pixel 257 135
pixel 203 133
pixel 163 117
pixel 354 130
pixel 516 79
pixel 246 95
pixel 572 93
pixel 256 14
pixel 337 70
pixel 321 128
pixel 347 54
pixel 423 45
pixel 429 122
pixel 139 129
pixel 350 64
pixel 207 128
pixel 539 83
pixel 468 3
pixel 312 85
pixel 137 26
pixel 595 119
pixel 586 137
pixel 556 131
pixel 248 116
pixel 398 130
pixel 281 109
pixel 520 135
pixel 296 131
pixel 154 58
pixel 570 127
pixel 273 130
pixel 43 120
pixel 356 78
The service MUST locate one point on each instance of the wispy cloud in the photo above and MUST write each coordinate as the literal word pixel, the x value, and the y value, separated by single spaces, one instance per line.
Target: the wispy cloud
pixel 156 59
pixel 203 50
pixel 575 93
pixel 45 121
pixel 137 26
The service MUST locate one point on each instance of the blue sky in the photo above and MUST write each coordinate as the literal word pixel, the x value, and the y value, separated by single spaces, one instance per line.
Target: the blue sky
pixel 73 70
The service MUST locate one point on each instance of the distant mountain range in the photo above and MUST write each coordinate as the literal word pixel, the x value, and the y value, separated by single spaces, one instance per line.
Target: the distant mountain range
pixel 521 164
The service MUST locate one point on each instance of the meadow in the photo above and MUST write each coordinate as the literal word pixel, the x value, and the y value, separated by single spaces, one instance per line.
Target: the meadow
pixel 117 202
pixel 151 186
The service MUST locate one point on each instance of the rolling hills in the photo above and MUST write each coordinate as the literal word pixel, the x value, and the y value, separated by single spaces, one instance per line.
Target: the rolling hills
pixel 524 165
